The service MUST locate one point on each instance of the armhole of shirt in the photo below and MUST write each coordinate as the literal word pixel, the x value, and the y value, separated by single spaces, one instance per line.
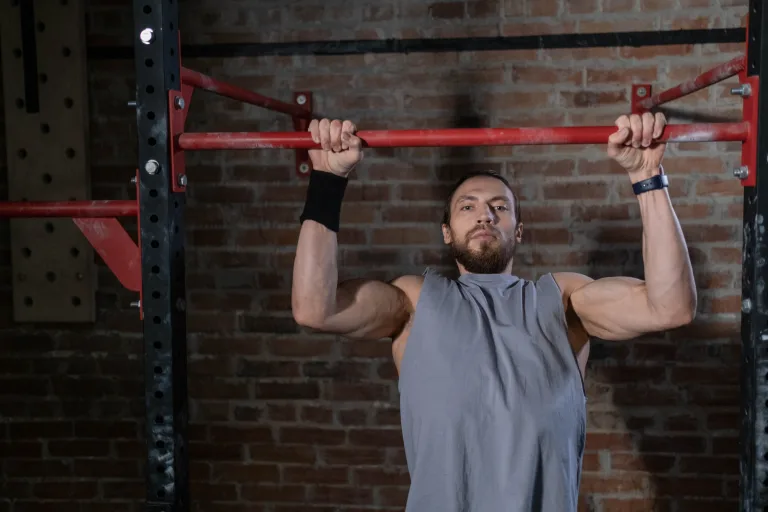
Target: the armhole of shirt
pixel 420 309
pixel 550 282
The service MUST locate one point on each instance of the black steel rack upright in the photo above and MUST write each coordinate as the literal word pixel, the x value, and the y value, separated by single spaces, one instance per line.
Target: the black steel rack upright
pixel 163 295
pixel 754 327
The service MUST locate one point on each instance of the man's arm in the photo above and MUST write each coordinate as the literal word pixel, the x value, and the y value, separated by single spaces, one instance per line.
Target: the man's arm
pixel 357 308
pixel 620 308
pixel 361 309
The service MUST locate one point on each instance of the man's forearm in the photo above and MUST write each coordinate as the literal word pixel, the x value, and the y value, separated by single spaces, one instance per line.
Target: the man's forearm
pixel 668 274
pixel 315 274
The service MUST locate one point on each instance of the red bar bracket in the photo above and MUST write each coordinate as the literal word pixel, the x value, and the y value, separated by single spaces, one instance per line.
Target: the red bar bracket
pixel 178 105
pixel 303 163
pixel 640 93
pixel 115 247
pixel 749 146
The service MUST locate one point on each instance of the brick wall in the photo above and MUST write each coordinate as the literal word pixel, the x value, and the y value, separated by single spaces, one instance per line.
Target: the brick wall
pixel 282 420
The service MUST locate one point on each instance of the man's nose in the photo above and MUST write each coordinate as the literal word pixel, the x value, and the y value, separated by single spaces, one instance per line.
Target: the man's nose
pixel 486 216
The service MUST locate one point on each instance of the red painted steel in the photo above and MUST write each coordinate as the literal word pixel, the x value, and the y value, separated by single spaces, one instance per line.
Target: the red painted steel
pixel 178 107
pixel 116 248
pixel 713 76
pixel 213 85
pixel 84 209
pixel 461 137
pixel 750 113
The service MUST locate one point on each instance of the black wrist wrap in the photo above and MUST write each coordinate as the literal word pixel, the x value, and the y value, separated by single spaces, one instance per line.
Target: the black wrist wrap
pixel 324 196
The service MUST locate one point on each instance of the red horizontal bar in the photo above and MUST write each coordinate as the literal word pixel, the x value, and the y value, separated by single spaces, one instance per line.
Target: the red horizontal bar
pixel 71 209
pixel 213 85
pixel 461 137
pixel 713 76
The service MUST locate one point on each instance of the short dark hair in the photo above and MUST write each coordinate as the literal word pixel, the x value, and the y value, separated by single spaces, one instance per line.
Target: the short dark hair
pixel 475 174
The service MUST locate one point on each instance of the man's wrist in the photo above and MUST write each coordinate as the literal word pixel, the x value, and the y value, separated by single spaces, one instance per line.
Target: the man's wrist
pixel 325 194
pixel 644 174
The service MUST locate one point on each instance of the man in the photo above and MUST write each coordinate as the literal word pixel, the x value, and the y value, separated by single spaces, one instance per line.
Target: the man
pixel 491 366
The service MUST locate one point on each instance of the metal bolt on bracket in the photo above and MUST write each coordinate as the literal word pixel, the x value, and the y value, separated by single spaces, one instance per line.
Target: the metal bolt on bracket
pixel 178 102
pixel 304 168
pixel 183 180
pixel 152 167
pixel 301 99
pixel 744 90
pixel 746 305
pixel 642 92
pixel 147 36
pixel 741 172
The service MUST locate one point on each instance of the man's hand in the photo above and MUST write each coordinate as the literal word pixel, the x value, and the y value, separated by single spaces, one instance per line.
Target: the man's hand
pixel 342 150
pixel 634 145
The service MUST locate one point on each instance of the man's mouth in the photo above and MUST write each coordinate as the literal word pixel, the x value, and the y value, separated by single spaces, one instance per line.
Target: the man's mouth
pixel 483 234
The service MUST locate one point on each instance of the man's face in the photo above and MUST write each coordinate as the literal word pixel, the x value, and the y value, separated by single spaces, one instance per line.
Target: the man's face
pixel 483 231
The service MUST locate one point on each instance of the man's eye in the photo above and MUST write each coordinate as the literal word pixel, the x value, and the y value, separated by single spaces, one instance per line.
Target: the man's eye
pixel 466 207
pixel 502 207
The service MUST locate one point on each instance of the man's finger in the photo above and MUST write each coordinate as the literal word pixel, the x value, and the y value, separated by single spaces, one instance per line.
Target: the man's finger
pixel 637 130
pixel 348 126
pixel 355 142
pixel 325 134
pixel 336 135
pixel 661 123
pixel 648 120
pixel 619 137
pixel 314 128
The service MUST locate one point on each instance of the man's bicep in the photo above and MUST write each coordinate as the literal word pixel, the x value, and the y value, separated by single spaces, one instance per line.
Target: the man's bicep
pixel 613 308
pixel 370 309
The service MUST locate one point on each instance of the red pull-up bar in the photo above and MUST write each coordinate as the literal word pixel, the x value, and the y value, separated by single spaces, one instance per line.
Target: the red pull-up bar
pixel 71 209
pixel 461 137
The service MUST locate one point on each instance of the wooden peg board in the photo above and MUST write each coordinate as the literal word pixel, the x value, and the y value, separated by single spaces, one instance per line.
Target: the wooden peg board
pixel 46 124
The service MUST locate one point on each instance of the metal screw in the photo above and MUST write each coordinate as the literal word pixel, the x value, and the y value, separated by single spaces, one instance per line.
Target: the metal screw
pixel 304 168
pixel 183 180
pixel 136 304
pixel 132 104
pixel 147 36
pixel 301 99
pixel 133 180
pixel 744 90
pixel 178 102
pixel 741 172
pixel 642 91
pixel 152 167
pixel 746 305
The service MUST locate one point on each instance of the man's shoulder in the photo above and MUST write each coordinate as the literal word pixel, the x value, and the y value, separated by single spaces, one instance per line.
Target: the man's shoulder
pixel 408 283
pixel 569 282
pixel 410 286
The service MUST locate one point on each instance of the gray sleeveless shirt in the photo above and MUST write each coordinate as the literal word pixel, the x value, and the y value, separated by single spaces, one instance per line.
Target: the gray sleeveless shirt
pixel 492 400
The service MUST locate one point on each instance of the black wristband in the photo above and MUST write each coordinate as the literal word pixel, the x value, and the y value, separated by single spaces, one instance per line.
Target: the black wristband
pixel 655 183
pixel 324 196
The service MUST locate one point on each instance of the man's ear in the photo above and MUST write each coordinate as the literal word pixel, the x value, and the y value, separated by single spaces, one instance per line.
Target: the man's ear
pixel 519 233
pixel 447 237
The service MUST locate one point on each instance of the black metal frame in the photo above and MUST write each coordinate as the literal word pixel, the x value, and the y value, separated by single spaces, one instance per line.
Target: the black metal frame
pixel 162 233
pixel 754 325
pixel 163 269
pixel 451 44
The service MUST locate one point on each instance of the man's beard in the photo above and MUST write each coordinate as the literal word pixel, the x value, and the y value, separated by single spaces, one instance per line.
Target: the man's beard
pixel 491 257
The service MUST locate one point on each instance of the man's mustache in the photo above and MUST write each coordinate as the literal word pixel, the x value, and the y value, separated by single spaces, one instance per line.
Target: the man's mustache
pixel 490 231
